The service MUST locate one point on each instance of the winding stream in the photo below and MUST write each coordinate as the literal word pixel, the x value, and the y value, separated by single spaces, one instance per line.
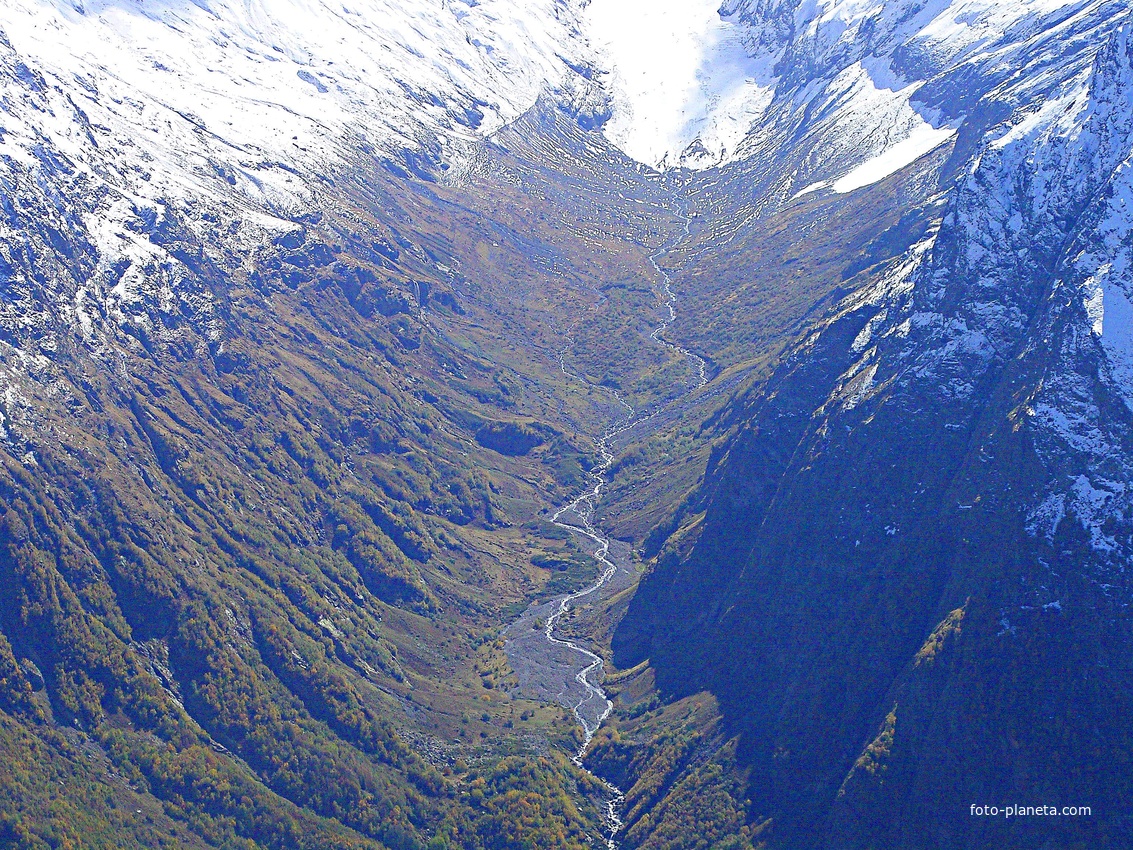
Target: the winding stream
pixel 577 516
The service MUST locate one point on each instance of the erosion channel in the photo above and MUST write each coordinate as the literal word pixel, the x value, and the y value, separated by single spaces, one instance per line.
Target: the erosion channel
pixel 552 667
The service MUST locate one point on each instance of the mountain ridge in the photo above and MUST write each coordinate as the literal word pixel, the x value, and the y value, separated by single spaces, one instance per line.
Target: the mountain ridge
pixel 878 606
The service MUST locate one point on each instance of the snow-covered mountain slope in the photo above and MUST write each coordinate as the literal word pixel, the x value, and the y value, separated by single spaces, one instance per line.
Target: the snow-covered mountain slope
pixel 877 84
pixel 1032 263
pixel 870 87
pixel 304 84
pixel 262 87
pixel 136 137
pixel 1030 267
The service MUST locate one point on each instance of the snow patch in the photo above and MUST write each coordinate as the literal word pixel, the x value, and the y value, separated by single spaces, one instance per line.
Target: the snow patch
pixel 920 141
pixel 1044 520
pixel 813 187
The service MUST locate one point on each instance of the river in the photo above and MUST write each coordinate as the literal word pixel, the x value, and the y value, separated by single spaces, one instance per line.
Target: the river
pixel 554 668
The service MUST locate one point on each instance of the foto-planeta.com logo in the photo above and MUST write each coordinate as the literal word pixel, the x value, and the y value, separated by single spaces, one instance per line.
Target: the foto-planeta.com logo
pixel 1016 811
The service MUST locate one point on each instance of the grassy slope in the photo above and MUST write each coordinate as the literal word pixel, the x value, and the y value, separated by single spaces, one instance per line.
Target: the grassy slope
pixel 261 580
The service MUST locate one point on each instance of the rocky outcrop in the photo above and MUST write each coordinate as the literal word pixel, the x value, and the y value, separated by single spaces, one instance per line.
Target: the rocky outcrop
pixel 910 588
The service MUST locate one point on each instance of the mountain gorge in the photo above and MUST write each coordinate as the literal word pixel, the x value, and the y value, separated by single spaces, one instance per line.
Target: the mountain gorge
pixel 314 317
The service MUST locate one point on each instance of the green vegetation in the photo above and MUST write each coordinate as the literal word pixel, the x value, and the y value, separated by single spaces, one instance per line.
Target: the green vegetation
pixel 569 572
pixel 255 569
pixel 510 438
pixel 684 786
pixel 256 558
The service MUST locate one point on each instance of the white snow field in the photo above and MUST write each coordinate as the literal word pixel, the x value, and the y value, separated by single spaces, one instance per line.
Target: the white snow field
pixel 680 76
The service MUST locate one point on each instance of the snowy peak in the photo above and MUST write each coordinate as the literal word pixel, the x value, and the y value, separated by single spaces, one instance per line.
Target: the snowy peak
pixel 308 82
pixel 818 38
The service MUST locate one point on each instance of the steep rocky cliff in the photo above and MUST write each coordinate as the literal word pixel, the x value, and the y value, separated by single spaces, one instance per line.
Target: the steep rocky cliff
pixel 909 589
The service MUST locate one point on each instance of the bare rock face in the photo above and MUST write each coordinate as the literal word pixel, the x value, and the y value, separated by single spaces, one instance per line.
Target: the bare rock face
pixel 910 588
